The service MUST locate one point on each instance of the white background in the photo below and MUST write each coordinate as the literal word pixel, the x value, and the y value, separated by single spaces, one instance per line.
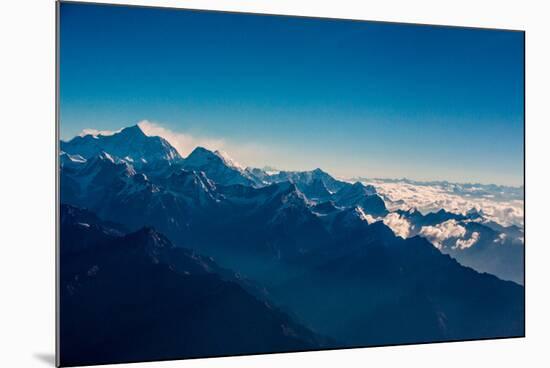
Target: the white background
pixel 27 182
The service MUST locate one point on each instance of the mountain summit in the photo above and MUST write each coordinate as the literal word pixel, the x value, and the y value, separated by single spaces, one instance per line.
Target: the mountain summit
pixel 217 166
pixel 130 144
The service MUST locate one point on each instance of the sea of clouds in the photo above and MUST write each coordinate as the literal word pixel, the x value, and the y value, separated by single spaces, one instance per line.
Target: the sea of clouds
pixel 501 204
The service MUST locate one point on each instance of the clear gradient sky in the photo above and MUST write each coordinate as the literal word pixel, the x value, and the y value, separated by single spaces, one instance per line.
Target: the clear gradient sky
pixel 354 98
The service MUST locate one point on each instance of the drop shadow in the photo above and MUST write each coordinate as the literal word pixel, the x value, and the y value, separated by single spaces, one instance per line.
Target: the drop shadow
pixel 47 358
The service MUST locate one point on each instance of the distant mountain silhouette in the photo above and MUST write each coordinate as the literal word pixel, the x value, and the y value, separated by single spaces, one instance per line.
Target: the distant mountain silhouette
pixel 388 290
pixel 137 297
pixel 497 250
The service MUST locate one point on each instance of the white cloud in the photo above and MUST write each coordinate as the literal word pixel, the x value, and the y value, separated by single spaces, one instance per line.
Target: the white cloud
pixel 431 198
pixel 399 225
pixel 236 153
pixel 371 219
pixel 501 238
pixel 463 243
pixel 443 231
pixel 184 143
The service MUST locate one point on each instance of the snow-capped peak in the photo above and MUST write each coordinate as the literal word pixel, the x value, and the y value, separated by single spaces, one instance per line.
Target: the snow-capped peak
pixel 96 133
pixel 201 156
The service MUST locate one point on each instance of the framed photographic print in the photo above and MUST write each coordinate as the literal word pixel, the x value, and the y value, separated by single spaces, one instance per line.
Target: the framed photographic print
pixel 235 184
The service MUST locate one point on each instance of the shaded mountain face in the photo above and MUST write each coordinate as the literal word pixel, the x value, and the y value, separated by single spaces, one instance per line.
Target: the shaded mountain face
pixel 316 190
pixel 300 178
pixel 363 196
pixel 483 245
pixel 325 208
pixel 271 222
pixel 318 186
pixel 82 229
pixel 350 194
pixel 137 297
pixel 497 253
pixel 217 167
pixel 115 191
pixel 419 220
pixel 324 250
pixel 388 290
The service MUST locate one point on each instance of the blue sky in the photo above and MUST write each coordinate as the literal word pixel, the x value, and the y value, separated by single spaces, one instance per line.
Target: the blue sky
pixel 354 98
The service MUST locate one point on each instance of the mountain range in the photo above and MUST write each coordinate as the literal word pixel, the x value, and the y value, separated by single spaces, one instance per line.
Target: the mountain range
pixel 286 260
pixel 136 297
